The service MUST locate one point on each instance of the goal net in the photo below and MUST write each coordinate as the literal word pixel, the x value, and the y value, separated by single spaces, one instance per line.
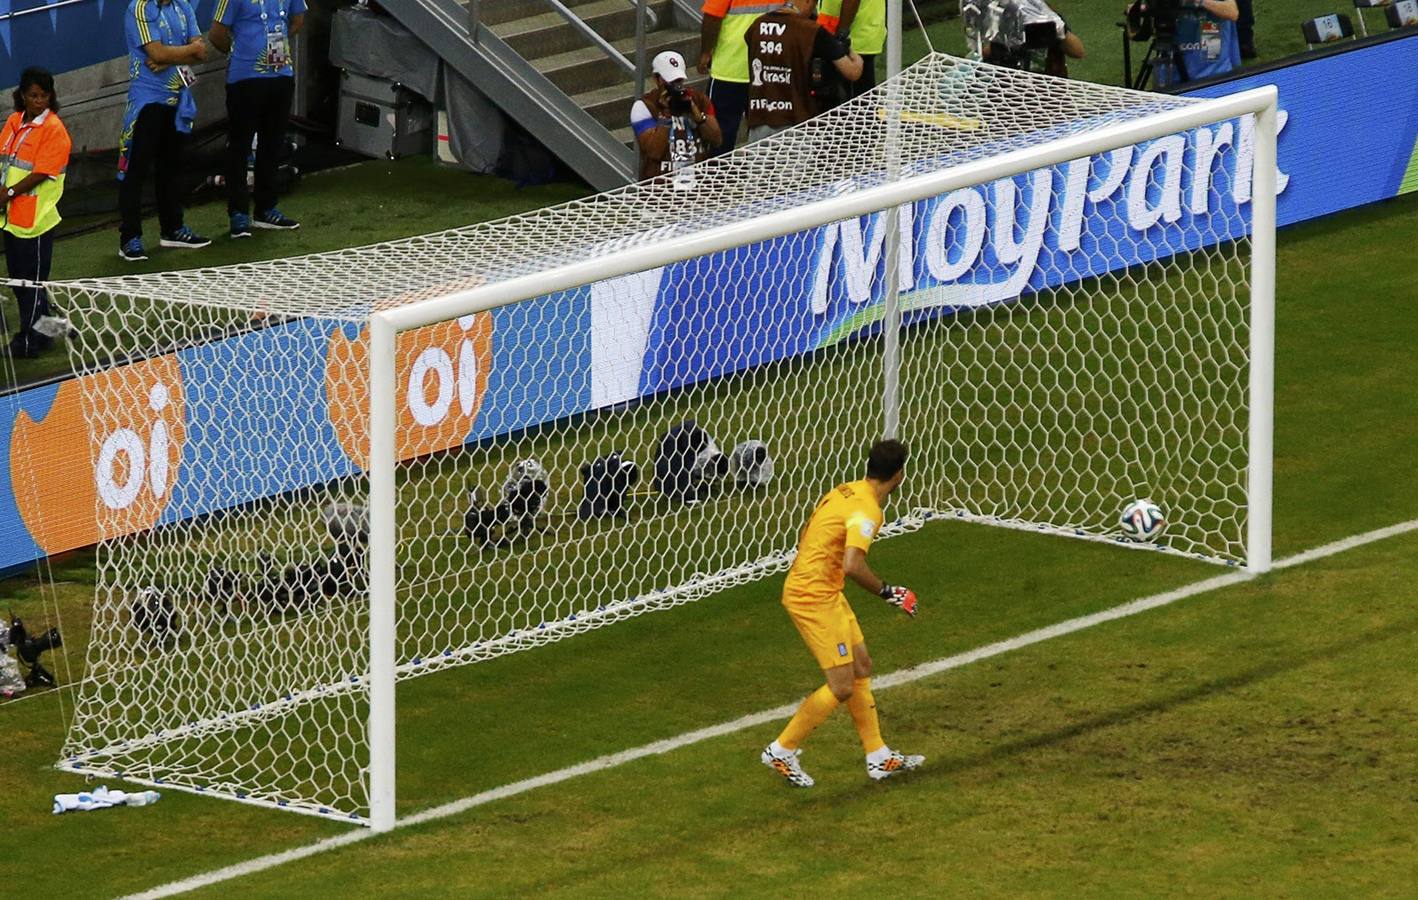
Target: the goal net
pixel 314 477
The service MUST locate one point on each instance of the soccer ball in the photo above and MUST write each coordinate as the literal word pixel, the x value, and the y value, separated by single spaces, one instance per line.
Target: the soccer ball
pixel 1142 520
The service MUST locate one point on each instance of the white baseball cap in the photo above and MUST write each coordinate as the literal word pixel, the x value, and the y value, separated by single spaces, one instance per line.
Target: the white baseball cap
pixel 669 65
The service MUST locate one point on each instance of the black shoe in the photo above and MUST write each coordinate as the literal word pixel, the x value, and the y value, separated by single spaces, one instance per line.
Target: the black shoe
pixel 240 225
pixel 274 218
pixel 132 250
pixel 29 345
pixel 184 238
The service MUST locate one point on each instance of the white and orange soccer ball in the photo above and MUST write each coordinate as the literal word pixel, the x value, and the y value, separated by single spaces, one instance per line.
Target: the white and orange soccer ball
pixel 1142 520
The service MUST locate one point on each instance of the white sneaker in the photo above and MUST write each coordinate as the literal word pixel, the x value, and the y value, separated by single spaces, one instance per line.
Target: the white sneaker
pixel 54 327
pixel 787 766
pixel 893 763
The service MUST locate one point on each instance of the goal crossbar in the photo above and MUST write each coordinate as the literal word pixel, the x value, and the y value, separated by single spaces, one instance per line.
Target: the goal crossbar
pixel 820 212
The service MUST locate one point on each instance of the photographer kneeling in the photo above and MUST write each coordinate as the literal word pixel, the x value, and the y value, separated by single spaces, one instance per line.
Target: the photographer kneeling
pixel 674 124
pixel 1192 39
pixel 1029 35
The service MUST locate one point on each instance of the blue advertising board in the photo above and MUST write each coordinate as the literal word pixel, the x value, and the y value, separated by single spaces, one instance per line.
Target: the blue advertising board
pixel 1349 126
pixel 188 434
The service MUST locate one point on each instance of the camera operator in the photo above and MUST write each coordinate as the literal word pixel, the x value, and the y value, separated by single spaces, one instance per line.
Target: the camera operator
pixel 1029 35
pixel 1194 39
pixel 782 46
pixel 674 124
pixel 863 23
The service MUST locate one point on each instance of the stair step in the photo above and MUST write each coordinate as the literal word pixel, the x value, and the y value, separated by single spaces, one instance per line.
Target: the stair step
pixel 588 67
pixel 496 12
pixel 548 33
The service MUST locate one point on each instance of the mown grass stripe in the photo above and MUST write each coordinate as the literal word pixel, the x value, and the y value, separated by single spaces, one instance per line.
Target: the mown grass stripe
pixel 763 717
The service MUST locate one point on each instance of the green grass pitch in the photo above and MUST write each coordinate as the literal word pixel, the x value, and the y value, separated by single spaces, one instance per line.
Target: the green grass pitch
pixel 1249 741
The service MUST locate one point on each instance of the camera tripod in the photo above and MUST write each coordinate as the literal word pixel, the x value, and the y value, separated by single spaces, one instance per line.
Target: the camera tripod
pixel 1161 49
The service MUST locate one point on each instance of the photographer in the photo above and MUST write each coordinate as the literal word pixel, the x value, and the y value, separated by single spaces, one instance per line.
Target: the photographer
pixel 1194 39
pixel 1029 35
pixel 674 124
pixel 863 24
pixel 782 46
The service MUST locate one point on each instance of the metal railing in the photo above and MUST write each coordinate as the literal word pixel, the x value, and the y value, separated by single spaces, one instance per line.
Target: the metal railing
pixel 645 20
pixel 593 36
pixel 643 15
pixel 5 17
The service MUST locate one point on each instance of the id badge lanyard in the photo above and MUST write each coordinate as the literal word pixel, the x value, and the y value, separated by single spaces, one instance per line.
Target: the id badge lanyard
pixel 11 150
pixel 277 48
pixel 165 31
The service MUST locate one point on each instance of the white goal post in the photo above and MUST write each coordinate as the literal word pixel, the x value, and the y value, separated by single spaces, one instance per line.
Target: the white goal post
pixel 1042 285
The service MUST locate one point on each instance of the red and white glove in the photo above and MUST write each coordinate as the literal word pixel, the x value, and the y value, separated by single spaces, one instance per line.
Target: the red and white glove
pixel 899 596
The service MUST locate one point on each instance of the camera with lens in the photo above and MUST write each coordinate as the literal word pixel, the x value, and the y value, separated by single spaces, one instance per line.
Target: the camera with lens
pixel 29 649
pixel 678 98
pixel 1023 34
pixel 829 88
pixel 1153 19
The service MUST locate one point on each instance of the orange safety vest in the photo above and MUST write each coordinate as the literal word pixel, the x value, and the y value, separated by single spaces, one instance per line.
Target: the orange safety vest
pixel 41 145
pixel 731 52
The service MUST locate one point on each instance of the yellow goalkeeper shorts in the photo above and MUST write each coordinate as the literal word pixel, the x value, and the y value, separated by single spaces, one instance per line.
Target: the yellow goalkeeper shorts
pixel 829 628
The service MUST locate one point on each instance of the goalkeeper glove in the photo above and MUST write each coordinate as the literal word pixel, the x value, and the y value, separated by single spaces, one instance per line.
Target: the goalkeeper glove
pixel 899 596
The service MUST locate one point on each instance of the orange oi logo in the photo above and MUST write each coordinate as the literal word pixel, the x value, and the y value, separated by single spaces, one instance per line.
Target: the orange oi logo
pixel 134 454
pixel 443 372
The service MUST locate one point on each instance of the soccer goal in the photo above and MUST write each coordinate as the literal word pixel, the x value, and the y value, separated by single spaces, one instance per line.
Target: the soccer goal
pixel 318 477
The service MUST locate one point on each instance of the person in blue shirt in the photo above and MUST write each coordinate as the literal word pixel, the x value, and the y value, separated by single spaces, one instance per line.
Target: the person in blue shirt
pixel 260 87
pixel 163 41
pixel 1207 41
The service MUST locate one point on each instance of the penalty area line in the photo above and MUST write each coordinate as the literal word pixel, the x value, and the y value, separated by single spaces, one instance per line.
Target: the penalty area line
pixel 763 717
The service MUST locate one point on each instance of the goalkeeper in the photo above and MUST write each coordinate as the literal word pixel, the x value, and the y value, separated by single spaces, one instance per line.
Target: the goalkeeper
pixel 833 546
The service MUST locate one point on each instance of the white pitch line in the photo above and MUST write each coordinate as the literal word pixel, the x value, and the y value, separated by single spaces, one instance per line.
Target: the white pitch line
pixel 753 720
pixel 1348 543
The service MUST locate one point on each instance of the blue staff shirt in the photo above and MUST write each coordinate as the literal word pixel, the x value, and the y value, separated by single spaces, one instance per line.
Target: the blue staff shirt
pixel 1209 47
pixel 250 21
pixel 173 24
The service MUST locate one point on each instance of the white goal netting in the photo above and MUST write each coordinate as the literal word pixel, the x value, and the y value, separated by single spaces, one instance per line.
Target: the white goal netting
pixel 1071 337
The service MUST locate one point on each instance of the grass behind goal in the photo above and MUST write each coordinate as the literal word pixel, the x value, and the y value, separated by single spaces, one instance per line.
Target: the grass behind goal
pixel 1200 741
pixel 461 601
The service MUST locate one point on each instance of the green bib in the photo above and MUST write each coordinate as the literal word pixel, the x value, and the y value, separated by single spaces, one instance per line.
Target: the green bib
pixel 868 28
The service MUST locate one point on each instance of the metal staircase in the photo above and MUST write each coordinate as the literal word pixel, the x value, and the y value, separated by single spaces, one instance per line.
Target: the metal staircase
pixel 562 69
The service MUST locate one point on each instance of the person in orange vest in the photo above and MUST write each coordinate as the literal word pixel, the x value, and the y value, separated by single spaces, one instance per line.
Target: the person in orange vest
pixel 34 152
pixel 723 56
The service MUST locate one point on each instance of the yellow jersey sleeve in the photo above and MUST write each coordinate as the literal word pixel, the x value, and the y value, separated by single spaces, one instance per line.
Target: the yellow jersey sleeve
pixel 847 516
pixel 862 526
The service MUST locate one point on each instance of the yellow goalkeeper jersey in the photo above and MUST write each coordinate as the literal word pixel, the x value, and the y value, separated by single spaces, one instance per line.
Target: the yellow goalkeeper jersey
pixel 848 516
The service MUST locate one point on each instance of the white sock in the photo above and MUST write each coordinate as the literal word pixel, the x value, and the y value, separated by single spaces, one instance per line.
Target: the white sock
pixel 881 754
pixel 778 749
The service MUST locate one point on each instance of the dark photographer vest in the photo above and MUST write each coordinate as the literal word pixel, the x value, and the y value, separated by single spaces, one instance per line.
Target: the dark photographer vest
pixel 684 145
pixel 780 46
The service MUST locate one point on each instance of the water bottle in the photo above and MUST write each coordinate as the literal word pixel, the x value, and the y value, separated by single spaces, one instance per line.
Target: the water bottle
pixel 143 798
